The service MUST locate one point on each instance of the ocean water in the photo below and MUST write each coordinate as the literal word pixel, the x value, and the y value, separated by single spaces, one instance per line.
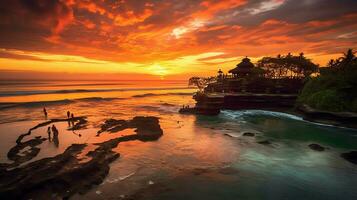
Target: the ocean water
pixel 198 157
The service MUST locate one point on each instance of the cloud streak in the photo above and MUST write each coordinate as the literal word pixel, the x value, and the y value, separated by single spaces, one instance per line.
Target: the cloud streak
pixel 156 33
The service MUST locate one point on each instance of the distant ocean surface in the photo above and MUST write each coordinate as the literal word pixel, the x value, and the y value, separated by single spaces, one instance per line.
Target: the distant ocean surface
pixel 198 157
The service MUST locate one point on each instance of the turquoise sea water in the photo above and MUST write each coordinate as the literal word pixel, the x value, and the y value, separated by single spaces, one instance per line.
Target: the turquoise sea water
pixel 198 157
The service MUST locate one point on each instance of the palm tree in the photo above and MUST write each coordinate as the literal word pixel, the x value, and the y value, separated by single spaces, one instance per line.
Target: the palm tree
pixel 331 63
pixel 349 56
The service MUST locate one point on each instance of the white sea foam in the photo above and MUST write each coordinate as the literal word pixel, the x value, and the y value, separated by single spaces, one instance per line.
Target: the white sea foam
pixel 239 114
pixel 233 114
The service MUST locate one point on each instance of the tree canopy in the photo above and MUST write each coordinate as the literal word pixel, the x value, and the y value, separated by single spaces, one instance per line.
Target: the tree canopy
pixel 288 66
pixel 201 82
pixel 335 89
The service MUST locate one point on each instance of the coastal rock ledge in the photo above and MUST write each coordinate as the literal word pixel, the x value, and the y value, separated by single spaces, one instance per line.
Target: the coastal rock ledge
pixel 69 173
pixel 350 156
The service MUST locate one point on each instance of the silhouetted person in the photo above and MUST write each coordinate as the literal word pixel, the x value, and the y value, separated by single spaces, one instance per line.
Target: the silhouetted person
pixel 72 119
pixel 49 133
pixel 68 114
pixel 55 139
pixel 54 131
pixel 45 112
pixel 55 135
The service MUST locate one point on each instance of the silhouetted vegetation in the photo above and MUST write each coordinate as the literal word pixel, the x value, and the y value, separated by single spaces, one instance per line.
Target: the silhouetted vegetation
pixel 288 66
pixel 201 82
pixel 335 89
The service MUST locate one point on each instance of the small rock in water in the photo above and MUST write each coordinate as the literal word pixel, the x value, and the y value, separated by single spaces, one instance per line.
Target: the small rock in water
pixel 98 192
pixel 122 196
pixel 316 147
pixel 264 142
pixel 350 156
pixel 249 134
pixel 151 182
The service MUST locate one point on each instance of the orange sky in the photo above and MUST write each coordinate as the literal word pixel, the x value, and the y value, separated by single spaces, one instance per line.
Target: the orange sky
pixel 153 39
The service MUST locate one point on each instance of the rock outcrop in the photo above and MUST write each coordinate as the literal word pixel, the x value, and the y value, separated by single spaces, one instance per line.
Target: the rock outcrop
pixel 350 156
pixel 317 147
pixel 64 175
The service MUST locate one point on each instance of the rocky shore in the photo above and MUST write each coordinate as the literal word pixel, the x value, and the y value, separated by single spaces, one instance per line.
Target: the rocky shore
pixel 344 119
pixel 213 103
pixel 66 174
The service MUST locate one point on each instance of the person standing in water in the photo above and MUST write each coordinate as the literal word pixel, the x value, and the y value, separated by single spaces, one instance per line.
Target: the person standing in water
pixel 49 133
pixel 45 112
pixel 55 135
pixel 72 119
pixel 68 114
pixel 54 130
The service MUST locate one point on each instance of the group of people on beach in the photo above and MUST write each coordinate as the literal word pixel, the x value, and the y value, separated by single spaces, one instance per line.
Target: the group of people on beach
pixel 69 114
pixel 53 130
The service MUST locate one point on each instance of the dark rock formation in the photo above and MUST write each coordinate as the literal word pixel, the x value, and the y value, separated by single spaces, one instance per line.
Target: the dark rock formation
pixel 50 174
pixel 147 128
pixel 264 142
pixel 350 156
pixel 317 147
pixel 79 125
pixel 345 119
pixel 113 125
pixel 64 175
pixel 18 158
pixel 188 111
pixel 249 134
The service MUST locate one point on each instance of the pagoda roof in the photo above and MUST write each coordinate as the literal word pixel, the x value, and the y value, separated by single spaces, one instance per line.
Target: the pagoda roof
pixel 243 67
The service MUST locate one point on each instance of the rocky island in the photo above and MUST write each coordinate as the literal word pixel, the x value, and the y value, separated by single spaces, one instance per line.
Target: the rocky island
pixel 284 83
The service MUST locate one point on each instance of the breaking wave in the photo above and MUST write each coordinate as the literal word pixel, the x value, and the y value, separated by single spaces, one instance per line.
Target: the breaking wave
pixel 55 102
pixel 37 92
pixel 240 114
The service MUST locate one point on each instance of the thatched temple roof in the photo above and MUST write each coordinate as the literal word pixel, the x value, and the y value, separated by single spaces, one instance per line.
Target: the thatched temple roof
pixel 244 67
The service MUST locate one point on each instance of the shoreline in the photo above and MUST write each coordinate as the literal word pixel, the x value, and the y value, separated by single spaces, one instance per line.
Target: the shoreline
pixel 338 119
pixel 213 103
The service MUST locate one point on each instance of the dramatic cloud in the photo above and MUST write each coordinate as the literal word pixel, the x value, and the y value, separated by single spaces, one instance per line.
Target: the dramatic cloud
pixel 170 37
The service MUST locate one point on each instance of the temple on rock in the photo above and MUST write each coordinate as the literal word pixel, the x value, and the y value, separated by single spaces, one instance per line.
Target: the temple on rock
pixel 248 78
pixel 271 83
